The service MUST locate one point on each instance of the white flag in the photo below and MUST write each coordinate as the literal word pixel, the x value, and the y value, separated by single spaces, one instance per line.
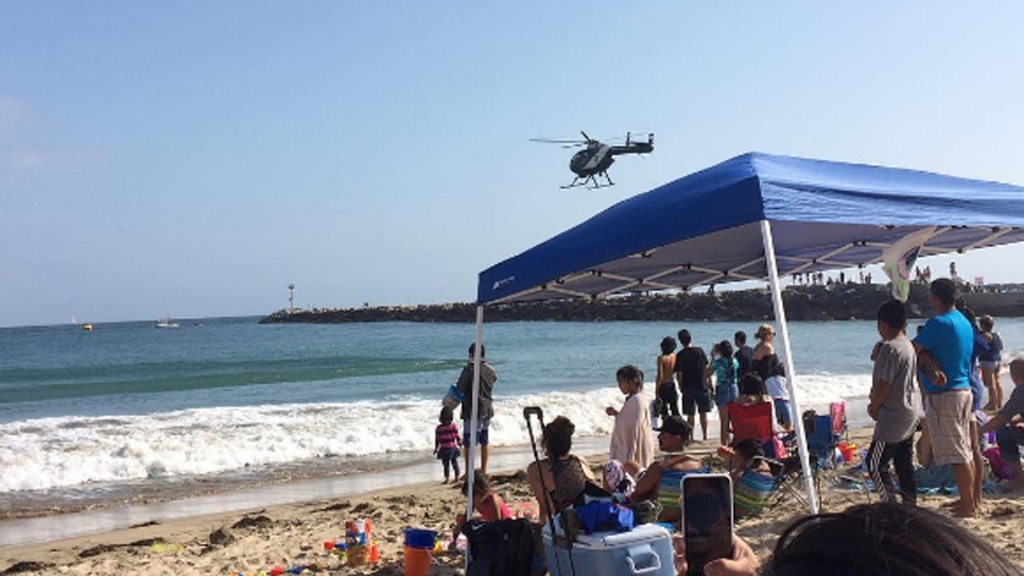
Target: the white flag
pixel 899 259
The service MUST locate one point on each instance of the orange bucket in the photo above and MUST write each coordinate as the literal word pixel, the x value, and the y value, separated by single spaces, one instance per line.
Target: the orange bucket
pixel 415 561
pixel 848 450
pixel 358 555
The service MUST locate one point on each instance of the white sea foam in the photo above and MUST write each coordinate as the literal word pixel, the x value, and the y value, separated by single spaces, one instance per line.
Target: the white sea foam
pixel 74 451
pixel 71 451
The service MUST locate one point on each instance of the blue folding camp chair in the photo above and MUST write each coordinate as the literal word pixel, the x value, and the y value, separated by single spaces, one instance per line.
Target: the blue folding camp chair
pixel 821 448
pixel 821 440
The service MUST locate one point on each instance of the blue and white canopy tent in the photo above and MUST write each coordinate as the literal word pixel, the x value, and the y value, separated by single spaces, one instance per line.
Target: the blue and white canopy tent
pixel 754 217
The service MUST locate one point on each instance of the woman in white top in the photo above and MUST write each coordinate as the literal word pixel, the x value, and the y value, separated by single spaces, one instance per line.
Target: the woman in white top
pixel 632 440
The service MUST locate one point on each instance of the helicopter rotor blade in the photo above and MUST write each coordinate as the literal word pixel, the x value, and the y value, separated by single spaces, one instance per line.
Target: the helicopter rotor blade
pixel 589 139
pixel 551 141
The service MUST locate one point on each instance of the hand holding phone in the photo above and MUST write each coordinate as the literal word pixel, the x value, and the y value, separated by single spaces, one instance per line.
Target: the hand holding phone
pixel 706 503
pixel 742 563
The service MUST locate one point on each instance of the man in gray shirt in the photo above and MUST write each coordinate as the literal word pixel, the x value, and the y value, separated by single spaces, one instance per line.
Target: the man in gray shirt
pixel 894 406
pixel 485 403
pixel 1007 425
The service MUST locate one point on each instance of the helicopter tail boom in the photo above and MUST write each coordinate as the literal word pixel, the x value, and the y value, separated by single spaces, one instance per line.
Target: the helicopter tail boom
pixel 632 147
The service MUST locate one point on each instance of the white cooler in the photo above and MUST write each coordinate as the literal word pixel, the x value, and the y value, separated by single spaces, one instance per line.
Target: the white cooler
pixel 647 549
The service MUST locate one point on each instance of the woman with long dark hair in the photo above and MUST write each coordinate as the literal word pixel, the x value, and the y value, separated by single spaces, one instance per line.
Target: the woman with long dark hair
pixel 724 367
pixel 632 438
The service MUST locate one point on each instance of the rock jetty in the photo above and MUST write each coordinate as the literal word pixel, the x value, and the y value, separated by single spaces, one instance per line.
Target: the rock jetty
pixel 806 303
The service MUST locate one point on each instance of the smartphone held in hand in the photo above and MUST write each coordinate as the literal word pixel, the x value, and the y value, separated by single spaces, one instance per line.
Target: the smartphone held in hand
pixel 706 502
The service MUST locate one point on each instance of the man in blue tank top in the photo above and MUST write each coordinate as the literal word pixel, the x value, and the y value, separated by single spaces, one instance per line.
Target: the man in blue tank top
pixel 944 349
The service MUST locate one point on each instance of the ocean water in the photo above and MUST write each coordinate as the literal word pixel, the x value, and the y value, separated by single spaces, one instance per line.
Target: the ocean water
pixel 89 414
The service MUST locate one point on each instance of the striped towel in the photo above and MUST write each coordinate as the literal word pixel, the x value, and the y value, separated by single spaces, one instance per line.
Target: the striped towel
pixel 669 488
pixel 750 493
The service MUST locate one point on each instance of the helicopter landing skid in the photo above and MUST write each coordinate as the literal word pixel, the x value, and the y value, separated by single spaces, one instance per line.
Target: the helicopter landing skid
pixel 590 182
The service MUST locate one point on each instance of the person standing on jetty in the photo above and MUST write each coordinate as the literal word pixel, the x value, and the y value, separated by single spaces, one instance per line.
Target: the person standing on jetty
pixel 944 348
pixel 893 406
pixel 694 380
pixel 485 410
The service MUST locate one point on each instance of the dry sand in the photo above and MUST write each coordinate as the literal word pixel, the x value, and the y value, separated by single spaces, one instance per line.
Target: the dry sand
pixel 294 534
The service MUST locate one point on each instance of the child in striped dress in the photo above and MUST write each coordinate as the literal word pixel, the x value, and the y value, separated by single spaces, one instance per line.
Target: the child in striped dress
pixel 447 442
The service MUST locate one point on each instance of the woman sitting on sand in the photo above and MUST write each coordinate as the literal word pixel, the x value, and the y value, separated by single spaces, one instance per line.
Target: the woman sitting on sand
pixel 486 502
pixel 752 393
pixel 565 475
pixel 746 456
pixel 752 477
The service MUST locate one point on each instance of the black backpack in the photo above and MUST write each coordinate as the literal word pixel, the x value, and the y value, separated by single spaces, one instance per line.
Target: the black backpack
pixel 499 548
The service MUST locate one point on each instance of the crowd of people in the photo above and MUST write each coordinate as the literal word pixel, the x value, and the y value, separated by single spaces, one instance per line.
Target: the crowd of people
pixel 957 357
pixel 820 279
pixel 926 398
pixel 734 374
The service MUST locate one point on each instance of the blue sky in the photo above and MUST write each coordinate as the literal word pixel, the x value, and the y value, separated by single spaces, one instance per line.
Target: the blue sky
pixel 192 158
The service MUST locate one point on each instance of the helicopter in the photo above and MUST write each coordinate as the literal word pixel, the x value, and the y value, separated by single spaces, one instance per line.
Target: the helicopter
pixel 593 162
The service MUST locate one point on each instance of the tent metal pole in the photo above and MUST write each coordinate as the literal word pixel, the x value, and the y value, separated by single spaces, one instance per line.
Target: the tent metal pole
pixel 780 317
pixel 474 414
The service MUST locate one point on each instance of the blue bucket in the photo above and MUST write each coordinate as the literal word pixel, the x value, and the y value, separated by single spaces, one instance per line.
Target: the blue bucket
pixel 420 539
pixel 453 398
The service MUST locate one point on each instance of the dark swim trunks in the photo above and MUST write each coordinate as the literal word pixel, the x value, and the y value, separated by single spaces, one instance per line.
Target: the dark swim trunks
pixel 696 401
pixel 482 427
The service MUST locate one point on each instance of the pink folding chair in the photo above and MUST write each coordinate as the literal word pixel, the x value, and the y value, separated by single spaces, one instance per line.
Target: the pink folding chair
pixel 837 410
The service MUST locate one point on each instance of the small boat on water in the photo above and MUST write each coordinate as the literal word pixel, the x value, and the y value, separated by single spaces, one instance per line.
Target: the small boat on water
pixel 83 327
pixel 164 323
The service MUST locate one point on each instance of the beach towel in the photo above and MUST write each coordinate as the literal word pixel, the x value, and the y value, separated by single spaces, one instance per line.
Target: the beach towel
pixel 669 486
pixel 935 479
pixel 632 439
pixel 527 510
pixel 750 493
